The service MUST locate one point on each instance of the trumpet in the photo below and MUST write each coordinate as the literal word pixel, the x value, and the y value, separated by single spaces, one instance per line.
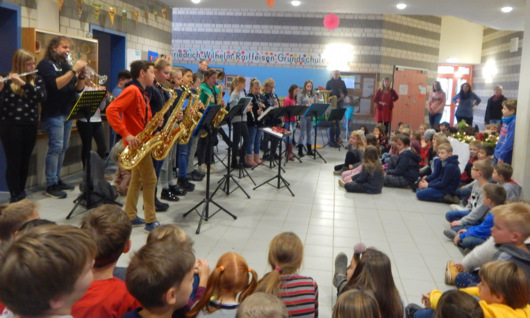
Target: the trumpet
pixel 90 73
pixel 20 75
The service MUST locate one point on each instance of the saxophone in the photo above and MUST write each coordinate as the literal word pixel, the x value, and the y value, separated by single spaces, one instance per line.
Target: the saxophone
pixel 129 157
pixel 191 119
pixel 220 115
pixel 171 131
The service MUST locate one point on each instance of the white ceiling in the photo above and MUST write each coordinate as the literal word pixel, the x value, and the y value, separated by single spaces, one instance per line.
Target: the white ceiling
pixel 485 12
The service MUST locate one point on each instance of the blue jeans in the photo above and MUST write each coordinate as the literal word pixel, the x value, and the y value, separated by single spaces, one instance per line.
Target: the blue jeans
pixel 255 140
pixel 463 193
pixel 470 242
pixel 183 152
pixel 434 119
pixel 424 313
pixel 158 166
pixel 456 215
pixel 58 131
pixel 430 194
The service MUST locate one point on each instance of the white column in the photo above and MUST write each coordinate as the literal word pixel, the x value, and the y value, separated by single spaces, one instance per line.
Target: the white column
pixel 521 153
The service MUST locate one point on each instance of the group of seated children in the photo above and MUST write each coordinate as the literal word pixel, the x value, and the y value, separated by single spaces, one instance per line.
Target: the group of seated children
pixel 73 272
pixel 422 160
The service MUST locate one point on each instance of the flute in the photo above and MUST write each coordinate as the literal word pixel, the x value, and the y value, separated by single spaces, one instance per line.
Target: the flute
pixel 20 75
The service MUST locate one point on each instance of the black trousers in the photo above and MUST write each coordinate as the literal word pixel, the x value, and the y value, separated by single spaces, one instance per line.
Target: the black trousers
pixel 274 142
pixel 239 130
pixel 87 131
pixel 18 142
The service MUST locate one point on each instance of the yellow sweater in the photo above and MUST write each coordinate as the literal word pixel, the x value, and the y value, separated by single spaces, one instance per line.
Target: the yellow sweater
pixel 490 310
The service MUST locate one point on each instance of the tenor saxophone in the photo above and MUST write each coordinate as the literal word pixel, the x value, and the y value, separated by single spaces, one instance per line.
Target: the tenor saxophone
pixel 171 131
pixel 191 119
pixel 220 115
pixel 129 157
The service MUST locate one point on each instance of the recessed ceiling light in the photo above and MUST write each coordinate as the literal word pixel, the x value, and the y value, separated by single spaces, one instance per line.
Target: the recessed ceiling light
pixel 295 3
pixel 401 6
pixel 506 9
pixel 195 1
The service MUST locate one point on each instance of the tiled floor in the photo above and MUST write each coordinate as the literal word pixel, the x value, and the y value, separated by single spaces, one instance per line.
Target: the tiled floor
pixel 327 219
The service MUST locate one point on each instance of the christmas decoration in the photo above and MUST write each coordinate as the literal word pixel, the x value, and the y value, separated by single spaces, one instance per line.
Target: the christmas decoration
pixel 79 6
pixel 164 13
pixel 124 16
pixel 97 9
pixel 60 3
pixel 112 12
pixel 155 13
pixel 135 16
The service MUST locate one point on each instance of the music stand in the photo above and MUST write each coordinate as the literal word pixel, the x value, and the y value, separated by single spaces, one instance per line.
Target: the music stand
pixel 224 183
pixel 85 107
pixel 278 176
pixel 205 125
pixel 297 110
pixel 275 113
pixel 337 114
pixel 314 111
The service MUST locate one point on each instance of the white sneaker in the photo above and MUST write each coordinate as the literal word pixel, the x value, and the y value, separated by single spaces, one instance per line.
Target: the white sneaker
pixel 457 207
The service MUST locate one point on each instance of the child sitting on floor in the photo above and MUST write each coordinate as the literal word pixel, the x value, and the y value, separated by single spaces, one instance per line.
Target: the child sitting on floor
pixel 354 156
pixel 370 179
pixel 356 303
pixel 107 296
pixel 502 174
pixel 160 277
pixel 14 215
pixel 229 284
pixel 465 177
pixel 448 177
pixel 475 211
pixel 503 292
pixel 493 195
pixel 298 293
pixel 403 169
pixel 262 305
pixel 46 270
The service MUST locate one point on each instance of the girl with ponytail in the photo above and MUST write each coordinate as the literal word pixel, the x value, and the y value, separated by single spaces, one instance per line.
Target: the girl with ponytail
pixel 298 293
pixel 230 282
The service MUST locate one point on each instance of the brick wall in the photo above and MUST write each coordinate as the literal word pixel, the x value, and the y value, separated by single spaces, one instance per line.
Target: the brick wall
pixel 379 41
pixel 496 46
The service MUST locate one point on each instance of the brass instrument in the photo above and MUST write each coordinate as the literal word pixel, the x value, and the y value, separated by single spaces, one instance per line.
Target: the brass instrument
pixel 191 118
pixel 129 157
pixel 171 131
pixel 220 115
pixel 325 96
pixel 281 100
pixel 90 73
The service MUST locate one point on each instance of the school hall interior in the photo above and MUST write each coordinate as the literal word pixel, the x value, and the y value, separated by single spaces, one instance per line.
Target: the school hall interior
pixel 488 43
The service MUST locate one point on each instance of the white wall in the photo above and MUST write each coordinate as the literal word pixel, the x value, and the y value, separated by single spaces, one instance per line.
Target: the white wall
pixel 466 47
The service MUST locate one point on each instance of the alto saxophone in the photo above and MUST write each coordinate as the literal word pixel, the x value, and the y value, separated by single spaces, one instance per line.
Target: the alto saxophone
pixel 220 115
pixel 129 157
pixel 171 131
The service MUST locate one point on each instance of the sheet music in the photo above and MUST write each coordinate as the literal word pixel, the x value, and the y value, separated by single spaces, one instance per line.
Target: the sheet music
pixel 264 113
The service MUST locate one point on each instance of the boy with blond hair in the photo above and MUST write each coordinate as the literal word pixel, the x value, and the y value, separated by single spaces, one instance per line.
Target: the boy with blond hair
pixel 14 215
pixel 43 272
pixel 160 276
pixel 502 174
pixel 475 210
pixel 107 296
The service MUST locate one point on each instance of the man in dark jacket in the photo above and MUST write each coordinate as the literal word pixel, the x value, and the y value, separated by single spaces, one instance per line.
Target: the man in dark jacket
pixel 338 88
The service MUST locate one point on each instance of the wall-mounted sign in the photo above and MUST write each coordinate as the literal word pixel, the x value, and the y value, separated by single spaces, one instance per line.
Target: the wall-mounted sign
pixel 249 56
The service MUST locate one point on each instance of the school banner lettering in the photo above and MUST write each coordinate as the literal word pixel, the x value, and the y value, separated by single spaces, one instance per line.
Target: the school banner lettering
pixel 249 56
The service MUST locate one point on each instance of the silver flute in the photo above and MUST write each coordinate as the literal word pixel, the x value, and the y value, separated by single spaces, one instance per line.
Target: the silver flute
pixel 19 75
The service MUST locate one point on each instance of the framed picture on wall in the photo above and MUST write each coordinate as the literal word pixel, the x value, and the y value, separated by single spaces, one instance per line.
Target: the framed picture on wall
pixel 229 79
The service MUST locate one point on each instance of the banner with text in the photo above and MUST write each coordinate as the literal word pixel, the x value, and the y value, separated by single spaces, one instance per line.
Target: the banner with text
pixel 249 56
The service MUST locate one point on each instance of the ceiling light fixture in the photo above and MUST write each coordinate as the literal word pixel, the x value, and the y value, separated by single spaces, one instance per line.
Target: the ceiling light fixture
pixel 295 3
pixel 506 9
pixel 196 1
pixel 401 6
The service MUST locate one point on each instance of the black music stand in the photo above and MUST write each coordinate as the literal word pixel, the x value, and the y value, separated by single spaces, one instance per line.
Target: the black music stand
pixel 224 183
pixel 276 112
pixel 337 114
pixel 297 110
pixel 279 174
pixel 85 107
pixel 206 125
pixel 314 111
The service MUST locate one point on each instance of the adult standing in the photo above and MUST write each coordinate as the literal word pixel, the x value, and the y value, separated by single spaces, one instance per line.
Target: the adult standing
pixel 338 89
pixel 203 67
pixel 19 118
pixel 467 101
pixel 384 103
pixel 494 107
pixel 436 104
pixel 62 82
